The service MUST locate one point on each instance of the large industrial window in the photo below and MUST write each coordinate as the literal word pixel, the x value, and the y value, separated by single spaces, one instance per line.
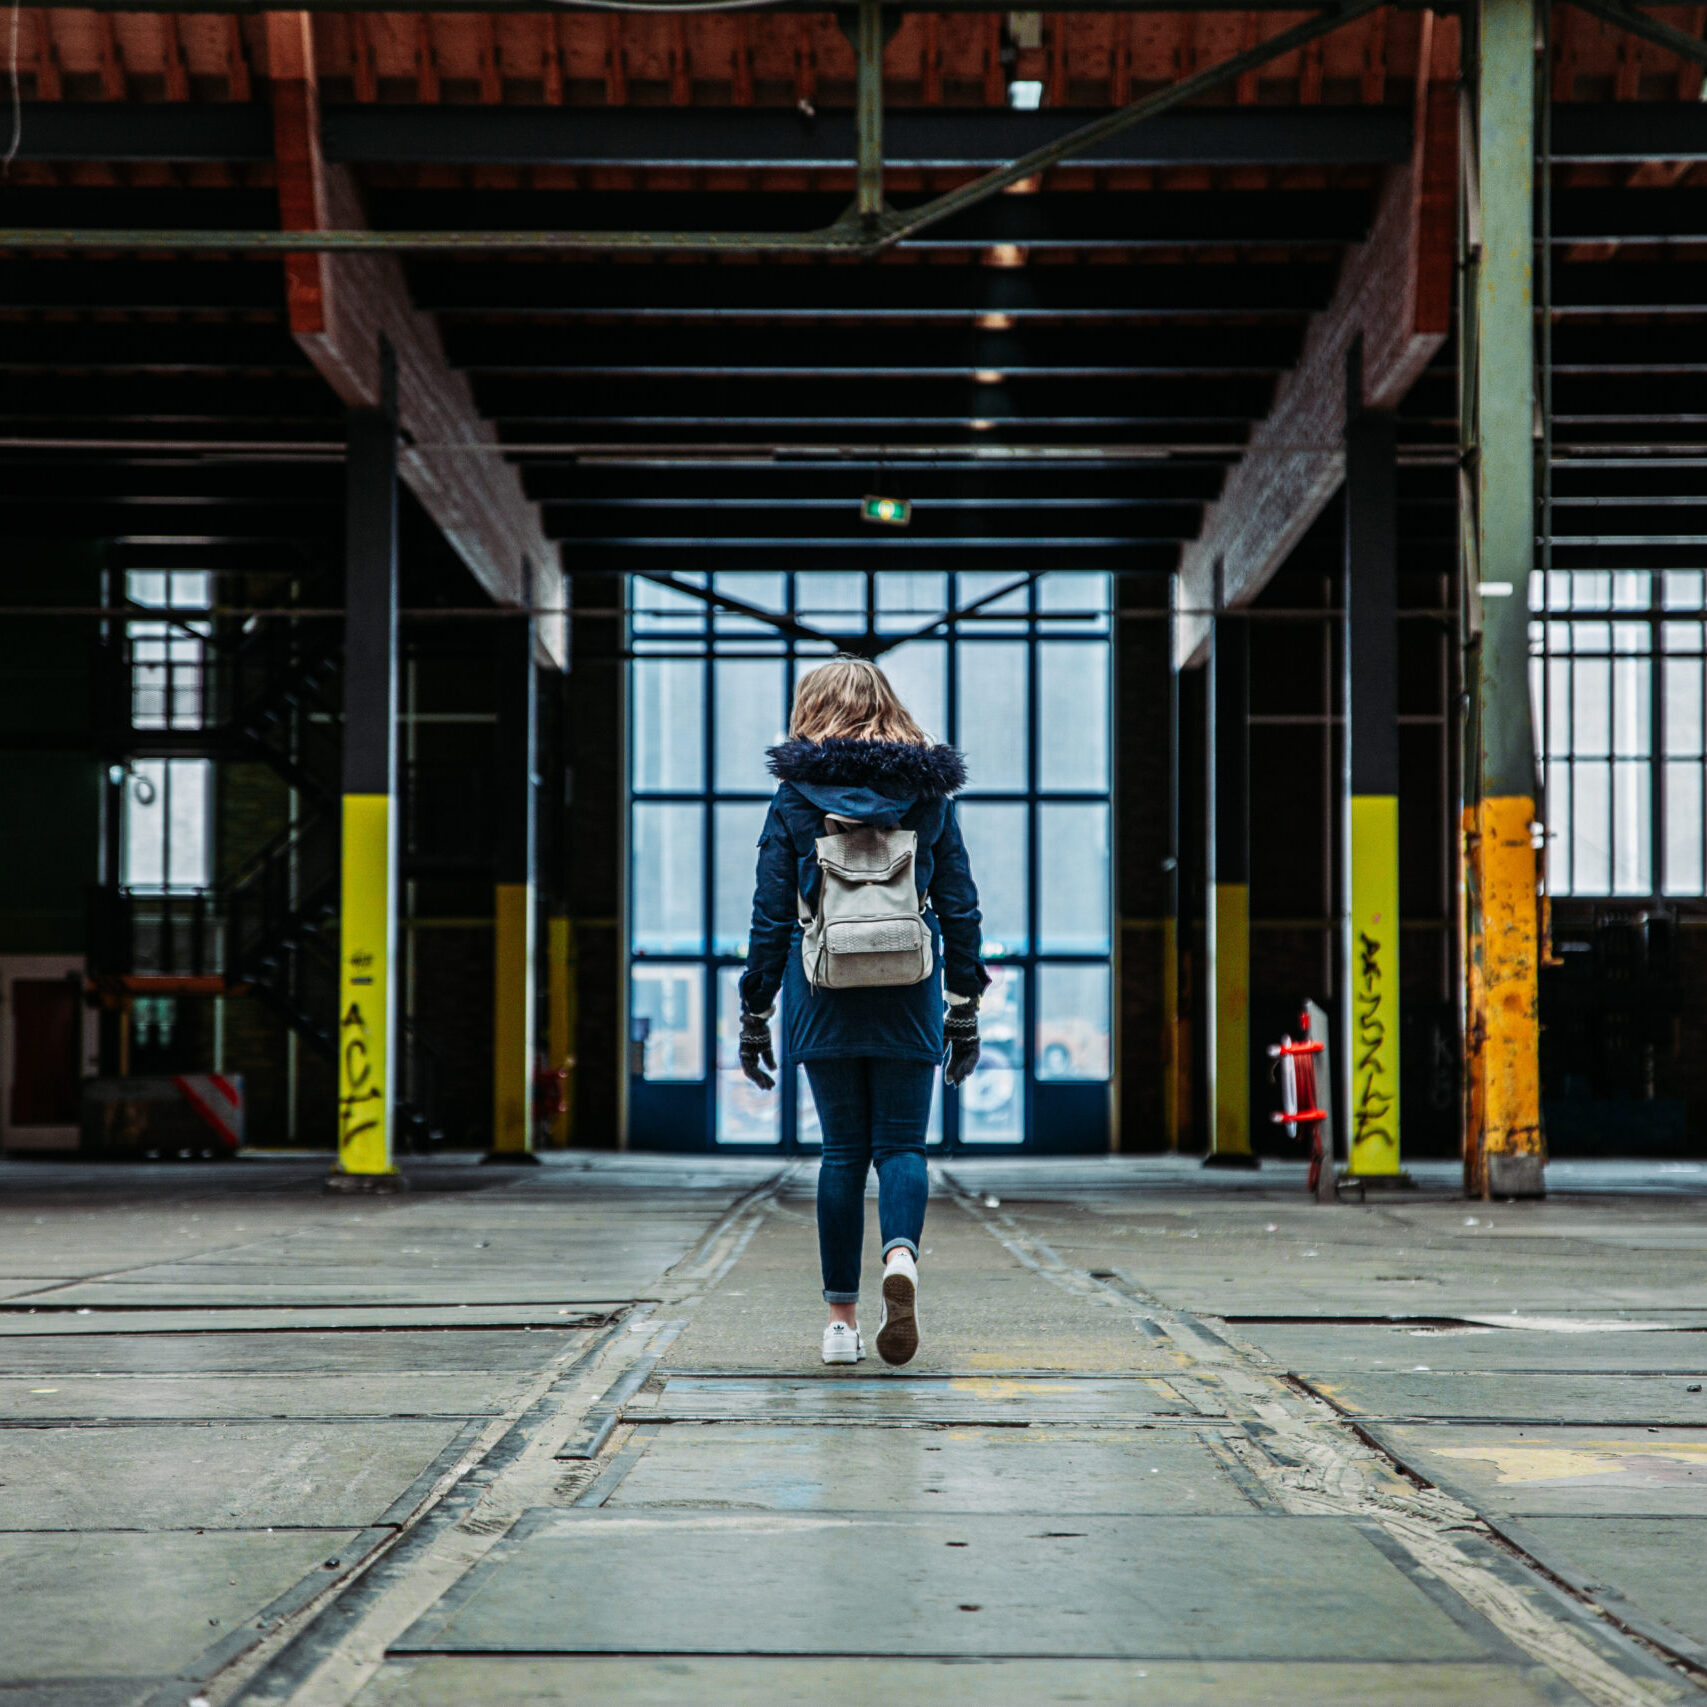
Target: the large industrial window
pixel 1020 685
pixel 167 802
pixel 1616 672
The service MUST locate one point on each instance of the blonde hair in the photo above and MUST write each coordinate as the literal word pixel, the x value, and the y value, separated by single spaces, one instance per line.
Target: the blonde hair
pixel 850 699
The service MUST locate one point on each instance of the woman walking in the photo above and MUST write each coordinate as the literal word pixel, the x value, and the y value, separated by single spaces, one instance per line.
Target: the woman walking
pixel 864 911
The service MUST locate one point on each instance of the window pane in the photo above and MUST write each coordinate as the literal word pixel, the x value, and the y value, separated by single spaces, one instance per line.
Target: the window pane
pixel 975 584
pixel 145 825
pixel 1630 589
pixel 1073 883
pixel 1559 707
pixel 736 827
pixel 146 587
pixel 1558 786
pixel 745 1114
pixel 1076 594
pixel 766 590
pixel 1632 839
pixel 1683 873
pixel 992 713
pixel 1072 698
pixel 663 610
pixel 1591 818
pixel 669 725
pixel 668 1005
pixel 187 853
pixel 909 598
pixel 996 844
pixel 749 720
pixel 1591 589
pixel 1072 1022
pixel 918 672
pixel 668 878
pixel 831 600
pixel 1683 684
pixel 1631 708
pixel 992 1101
pixel 1682 589
pixel 1591 708
pixel 166 824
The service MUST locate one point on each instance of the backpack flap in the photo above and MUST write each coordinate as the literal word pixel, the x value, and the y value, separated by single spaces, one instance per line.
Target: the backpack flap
pixel 869 856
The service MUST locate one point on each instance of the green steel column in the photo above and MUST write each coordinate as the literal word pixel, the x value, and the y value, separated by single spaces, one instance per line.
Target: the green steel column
pixel 1504 1151
pixel 1229 896
pixel 1368 1086
pixel 367 997
pixel 869 38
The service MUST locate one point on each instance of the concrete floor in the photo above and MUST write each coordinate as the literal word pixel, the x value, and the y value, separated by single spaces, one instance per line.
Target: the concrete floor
pixel 561 1434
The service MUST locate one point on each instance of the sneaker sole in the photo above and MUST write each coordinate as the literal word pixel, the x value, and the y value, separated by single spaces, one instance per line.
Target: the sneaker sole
pixel 898 1338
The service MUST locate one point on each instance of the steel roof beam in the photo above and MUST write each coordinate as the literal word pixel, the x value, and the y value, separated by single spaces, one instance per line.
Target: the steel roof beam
pixel 865 230
pixel 759 137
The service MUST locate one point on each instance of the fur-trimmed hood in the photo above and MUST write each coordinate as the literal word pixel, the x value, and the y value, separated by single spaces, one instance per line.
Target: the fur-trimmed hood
pixel 892 768
pixel 871 782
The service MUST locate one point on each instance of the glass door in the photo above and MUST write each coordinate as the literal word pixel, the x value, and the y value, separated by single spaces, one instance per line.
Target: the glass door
pixel 1021 685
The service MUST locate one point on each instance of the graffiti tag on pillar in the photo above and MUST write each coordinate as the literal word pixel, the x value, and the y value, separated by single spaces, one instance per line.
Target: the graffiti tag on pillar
pixel 361 1095
pixel 1371 1104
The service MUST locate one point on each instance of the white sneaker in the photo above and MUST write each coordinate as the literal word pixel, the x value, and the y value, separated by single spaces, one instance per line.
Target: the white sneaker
pixel 898 1331
pixel 842 1344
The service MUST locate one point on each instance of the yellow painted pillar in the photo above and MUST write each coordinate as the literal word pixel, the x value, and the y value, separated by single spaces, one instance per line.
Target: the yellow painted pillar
pixel 1229 898
pixel 1372 981
pixel 367 930
pixel 366 1000
pixel 1369 989
pixel 513 896
pixel 560 1021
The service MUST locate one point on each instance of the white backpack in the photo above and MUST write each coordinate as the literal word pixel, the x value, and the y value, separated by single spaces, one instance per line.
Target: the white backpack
pixel 869 928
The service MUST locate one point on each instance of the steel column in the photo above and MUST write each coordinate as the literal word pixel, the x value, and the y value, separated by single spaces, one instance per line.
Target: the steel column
pixel 596 858
pixel 1369 943
pixel 1176 1062
pixel 367 1005
pixel 1504 1153
pixel 868 108
pixel 514 766
pixel 1229 894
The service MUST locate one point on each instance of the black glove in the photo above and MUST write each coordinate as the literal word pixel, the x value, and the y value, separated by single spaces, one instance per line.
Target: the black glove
pixel 756 1047
pixel 960 1034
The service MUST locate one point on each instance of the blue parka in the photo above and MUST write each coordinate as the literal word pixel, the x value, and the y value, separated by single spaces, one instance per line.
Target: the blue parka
pixel 889 784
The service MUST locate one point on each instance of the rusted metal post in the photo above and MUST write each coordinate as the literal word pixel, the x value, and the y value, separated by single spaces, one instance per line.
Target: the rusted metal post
pixel 1504 1150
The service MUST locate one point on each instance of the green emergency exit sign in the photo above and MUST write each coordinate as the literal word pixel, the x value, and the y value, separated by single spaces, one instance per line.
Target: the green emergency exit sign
pixel 886 512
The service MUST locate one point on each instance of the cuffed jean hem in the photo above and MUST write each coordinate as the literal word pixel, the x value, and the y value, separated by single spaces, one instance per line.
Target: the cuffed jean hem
pixel 906 1245
pixel 840 1297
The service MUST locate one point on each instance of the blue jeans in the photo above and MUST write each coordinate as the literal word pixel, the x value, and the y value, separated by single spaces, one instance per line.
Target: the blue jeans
pixel 870 1110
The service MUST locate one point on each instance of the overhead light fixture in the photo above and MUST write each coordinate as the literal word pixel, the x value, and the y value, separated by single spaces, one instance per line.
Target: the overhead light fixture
pixel 885 512
pixel 988 375
pixel 994 322
pixel 1025 94
pixel 1004 255
pixel 980 425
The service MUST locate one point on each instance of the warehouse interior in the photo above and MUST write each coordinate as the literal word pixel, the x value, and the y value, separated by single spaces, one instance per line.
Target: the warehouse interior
pixel 478 410
pixel 1263 440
